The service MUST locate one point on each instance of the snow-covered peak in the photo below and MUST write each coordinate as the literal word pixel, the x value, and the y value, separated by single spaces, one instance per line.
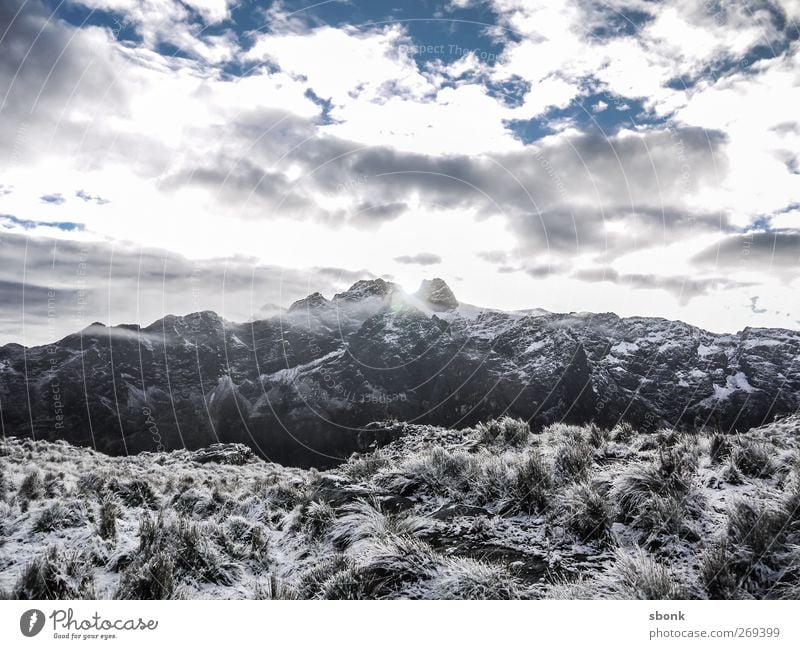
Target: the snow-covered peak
pixel 313 301
pixel 437 294
pixel 366 288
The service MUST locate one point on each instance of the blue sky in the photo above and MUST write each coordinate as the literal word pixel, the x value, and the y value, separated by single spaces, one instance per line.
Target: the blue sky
pixel 631 156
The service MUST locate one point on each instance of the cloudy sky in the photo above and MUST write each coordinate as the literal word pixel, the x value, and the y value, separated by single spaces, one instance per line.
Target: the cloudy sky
pixel 167 156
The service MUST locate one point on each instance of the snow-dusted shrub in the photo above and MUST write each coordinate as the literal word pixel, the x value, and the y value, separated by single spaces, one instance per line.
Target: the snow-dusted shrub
pixel 55 575
pixel 583 509
pixel 58 515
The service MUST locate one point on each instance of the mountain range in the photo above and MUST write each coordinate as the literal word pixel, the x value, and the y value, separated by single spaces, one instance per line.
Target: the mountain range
pixel 303 386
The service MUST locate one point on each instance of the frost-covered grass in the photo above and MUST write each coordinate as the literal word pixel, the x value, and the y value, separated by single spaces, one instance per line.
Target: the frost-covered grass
pixel 494 512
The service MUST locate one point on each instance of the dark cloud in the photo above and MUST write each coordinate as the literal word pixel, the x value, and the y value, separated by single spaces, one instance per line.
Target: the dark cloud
pixel 44 65
pixel 683 287
pixel 421 259
pixel 374 214
pixel 775 252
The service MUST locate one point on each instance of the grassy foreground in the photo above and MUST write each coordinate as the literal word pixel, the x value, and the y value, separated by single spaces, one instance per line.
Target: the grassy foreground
pixel 493 512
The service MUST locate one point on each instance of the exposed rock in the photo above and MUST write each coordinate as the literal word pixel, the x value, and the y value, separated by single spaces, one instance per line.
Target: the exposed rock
pixel 236 454
pixel 313 301
pixel 437 294
pixel 453 510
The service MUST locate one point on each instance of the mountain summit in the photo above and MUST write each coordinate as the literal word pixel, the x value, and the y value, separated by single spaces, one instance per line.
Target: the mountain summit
pixel 437 294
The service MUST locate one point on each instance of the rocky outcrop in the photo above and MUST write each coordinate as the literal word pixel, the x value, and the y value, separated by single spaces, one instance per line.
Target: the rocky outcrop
pixel 436 293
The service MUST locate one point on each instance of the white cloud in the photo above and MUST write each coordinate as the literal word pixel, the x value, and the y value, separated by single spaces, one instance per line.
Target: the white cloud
pixel 414 159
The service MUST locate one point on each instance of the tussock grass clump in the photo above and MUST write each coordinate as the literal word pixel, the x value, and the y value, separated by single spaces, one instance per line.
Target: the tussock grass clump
pixel 394 562
pixel 58 515
pixel 507 431
pixel 348 584
pixel 659 498
pixel 153 578
pixel 572 459
pixel 365 467
pixel 584 510
pixel 641 577
pixel 622 433
pixel 55 575
pixel 633 576
pixel 31 487
pixel 175 549
pixel 758 539
pixel 134 493
pixel 719 447
pixel 532 482
pixel 311 583
pixel 361 521
pixel 753 458
pixel 664 516
pixel 317 517
pixel 468 579
pixel 107 519
pixel 717 574
pixel 92 483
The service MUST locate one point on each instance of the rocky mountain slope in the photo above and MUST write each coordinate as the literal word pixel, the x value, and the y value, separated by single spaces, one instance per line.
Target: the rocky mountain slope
pixel 301 386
